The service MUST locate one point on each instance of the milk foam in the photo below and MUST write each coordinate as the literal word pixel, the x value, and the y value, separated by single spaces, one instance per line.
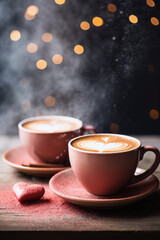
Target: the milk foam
pixel 44 127
pixel 50 126
pixel 102 147
pixel 104 143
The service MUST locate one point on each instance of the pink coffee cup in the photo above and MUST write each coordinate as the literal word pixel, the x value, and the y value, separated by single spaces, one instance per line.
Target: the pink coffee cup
pixel 107 173
pixel 51 147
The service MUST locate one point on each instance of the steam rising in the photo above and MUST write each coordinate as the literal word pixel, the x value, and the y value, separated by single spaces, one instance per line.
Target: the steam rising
pixel 92 86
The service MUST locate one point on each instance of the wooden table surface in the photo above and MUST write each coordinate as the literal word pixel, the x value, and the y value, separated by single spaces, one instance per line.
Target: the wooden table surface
pixel 64 220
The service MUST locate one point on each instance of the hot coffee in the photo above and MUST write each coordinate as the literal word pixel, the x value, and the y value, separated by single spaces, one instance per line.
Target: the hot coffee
pixel 105 143
pixel 48 136
pixel 51 125
pixel 105 163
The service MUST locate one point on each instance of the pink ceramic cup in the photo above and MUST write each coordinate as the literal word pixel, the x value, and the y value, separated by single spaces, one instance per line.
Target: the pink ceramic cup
pixel 51 147
pixel 107 173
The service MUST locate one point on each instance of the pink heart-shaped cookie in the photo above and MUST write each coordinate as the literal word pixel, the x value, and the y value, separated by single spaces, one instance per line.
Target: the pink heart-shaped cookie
pixel 26 193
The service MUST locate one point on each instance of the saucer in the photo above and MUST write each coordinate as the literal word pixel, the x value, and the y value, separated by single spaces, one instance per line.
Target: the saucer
pixel 65 185
pixel 17 156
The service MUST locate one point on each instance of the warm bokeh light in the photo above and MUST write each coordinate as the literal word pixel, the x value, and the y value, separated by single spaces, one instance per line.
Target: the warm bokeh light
pixel 26 105
pixel 60 2
pixel 150 3
pixel 57 59
pixel 49 101
pixel 41 64
pixel 154 114
pixel 112 8
pixel 28 17
pixel 32 47
pixel 114 127
pixel 85 25
pixel 78 49
pixel 15 35
pixel 47 37
pixel 32 10
pixel 97 21
pixel 133 19
pixel 154 21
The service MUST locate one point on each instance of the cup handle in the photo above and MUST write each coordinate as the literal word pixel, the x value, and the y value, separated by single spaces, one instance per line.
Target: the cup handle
pixel 152 168
pixel 88 128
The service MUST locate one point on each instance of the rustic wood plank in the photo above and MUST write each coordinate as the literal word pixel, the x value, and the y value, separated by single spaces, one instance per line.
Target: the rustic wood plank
pixel 143 216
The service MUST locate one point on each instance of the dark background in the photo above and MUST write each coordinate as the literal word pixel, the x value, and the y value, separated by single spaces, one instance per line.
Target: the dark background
pixel 116 79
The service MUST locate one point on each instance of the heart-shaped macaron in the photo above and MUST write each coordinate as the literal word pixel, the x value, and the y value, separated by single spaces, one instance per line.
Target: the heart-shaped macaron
pixel 26 193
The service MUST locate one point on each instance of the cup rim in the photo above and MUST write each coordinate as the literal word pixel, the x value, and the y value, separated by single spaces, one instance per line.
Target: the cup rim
pixel 113 134
pixel 20 124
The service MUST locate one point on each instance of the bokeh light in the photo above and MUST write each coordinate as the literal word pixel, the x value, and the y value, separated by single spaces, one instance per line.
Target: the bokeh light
pixel 57 59
pixel 112 8
pixel 15 35
pixel 60 2
pixel 154 21
pixel 154 114
pixel 150 3
pixel 97 21
pixel 114 127
pixel 41 64
pixel 133 19
pixel 32 10
pixel 28 17
pixel 78 49
pixel 47 37
pixel 32 47
pixel 49 101
pixel 85 25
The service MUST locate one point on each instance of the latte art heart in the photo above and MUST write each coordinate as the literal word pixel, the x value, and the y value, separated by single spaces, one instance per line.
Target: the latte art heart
pixel 101 147
pixel 44 127
pixel 105 143
pixel 50 125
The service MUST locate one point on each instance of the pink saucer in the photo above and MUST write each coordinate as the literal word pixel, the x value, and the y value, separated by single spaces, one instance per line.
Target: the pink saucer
pixel 17 156
pixel 65 185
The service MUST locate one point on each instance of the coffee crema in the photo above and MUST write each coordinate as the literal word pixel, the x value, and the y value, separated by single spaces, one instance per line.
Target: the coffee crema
pixel 105 143
pixel 51 125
